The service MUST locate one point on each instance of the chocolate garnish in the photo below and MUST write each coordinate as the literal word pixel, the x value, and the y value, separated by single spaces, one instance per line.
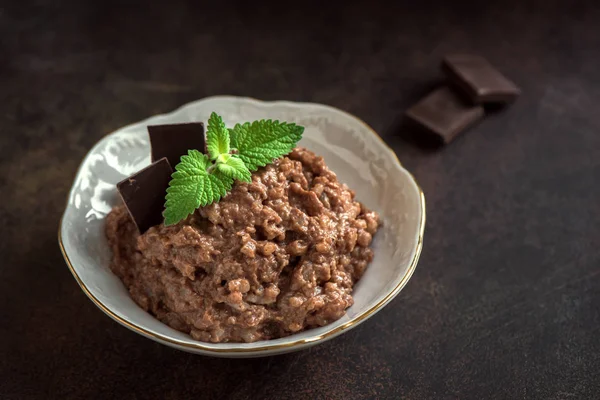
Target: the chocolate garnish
pixel 174 140
pixel 444 114
pixel 479 80
pixel 144 194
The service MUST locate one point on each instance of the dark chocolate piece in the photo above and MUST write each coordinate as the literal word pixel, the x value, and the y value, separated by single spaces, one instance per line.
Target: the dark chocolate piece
pixel 444 114
pixel 174 141
pixel 479 80
pixel 144 194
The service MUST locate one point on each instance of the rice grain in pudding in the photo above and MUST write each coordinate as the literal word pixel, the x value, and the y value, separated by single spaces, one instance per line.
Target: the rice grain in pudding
pixel 275 256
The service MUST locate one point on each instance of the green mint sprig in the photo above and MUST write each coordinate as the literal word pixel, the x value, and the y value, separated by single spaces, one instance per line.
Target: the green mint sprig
pixel 202 179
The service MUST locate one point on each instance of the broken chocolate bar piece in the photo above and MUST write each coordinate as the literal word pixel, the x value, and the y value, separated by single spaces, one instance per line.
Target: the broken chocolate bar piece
pixel 444 114
pixel 144 194
pixel 173 141
pixel 479 80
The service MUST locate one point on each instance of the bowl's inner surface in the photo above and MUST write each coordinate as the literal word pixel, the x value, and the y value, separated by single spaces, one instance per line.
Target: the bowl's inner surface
pixel 351 150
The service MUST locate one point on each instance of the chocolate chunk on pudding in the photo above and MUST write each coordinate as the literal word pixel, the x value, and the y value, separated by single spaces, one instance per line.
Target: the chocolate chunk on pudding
pixel 143 194
pixel 174 140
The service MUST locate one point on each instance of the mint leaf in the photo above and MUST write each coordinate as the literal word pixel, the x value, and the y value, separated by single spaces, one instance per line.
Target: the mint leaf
pixel 217 137
pixel 260 142
pixel 201 179
pixel 192 186
pixel 234 168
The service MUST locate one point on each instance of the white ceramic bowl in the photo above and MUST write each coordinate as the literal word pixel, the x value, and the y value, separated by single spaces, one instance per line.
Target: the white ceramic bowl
pixel 350 148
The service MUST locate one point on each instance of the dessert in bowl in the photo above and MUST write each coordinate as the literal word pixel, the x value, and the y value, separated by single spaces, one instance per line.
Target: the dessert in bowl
pixel 279 263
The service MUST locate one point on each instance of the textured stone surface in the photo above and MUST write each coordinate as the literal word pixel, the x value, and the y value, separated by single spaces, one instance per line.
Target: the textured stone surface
pixel 505 302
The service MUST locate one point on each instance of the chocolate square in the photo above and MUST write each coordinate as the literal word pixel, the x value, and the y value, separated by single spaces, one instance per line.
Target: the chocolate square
pixel 174 140
pixel 144 194
pixel 478 79
pixel 444 114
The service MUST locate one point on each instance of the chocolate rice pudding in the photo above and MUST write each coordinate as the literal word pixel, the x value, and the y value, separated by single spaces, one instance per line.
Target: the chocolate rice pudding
pixel 274 257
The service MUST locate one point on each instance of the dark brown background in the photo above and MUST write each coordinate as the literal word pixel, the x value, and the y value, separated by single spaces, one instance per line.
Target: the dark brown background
pixel 505 301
